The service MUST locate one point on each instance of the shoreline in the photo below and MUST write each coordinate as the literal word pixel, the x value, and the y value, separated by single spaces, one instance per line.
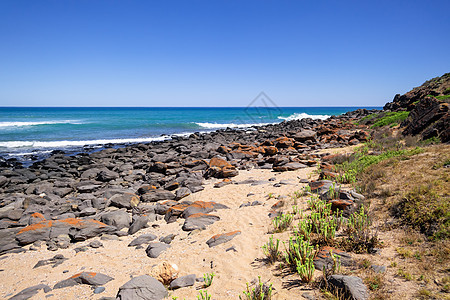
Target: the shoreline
pixel 114 195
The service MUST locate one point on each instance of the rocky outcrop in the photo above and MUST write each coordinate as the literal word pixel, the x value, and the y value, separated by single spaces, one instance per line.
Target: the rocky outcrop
pixel 429 109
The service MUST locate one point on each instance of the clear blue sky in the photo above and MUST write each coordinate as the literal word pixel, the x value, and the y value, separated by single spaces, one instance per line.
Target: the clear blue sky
pixel 218 53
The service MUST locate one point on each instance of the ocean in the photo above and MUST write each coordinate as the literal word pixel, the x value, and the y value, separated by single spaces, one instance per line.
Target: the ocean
pixel 30 132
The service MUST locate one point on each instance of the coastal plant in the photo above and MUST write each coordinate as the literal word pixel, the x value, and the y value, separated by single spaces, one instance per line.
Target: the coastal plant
pixel 258 291
pixel 204 295
pixel 335 267
pixel 271 250
pixel 306 270
pixel 281 223
pixel 208 278
pixel 359 237
pixel 298 252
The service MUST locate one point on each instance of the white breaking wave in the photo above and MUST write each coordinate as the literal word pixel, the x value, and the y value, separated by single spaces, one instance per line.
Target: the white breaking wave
pixel 299 116
pixel 229 125
pixel 20 124
pixel 60 144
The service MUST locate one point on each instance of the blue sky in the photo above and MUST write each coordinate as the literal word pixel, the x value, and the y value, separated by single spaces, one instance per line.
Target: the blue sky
pixel 218 53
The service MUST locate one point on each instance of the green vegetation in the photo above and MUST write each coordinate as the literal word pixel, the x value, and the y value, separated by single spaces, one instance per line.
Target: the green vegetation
pixel 208 277
pixel 442 97
pixel 361 160
pixel 423 208
pixel 271 250
pixel 390 118
pixel 359 239
pixel 281 223
pixel 259 291
pixel 203 295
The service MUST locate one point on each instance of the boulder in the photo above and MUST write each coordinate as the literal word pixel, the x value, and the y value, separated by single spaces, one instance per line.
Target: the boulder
pixel 142 287
pixel 305 135
pixel 139 222
pixel 155 249
pixel 351 287
pixel 183 281
pixel 125 200
pixel 119 218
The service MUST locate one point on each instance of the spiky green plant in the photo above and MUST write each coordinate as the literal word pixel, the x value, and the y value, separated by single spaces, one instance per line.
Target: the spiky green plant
pixel 271 250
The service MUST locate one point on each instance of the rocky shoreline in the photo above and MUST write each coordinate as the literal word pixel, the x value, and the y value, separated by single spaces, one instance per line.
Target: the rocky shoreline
pixel 63 200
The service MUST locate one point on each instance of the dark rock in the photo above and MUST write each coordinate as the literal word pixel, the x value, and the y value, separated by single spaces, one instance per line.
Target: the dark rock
pixel 157 195
pixel 182 192
pixel 89 278
pixel 167 239
pixel 323 258
pixel 183 281
pixel 125 200
pixel 221 238
pixel 54 261
pixel 199 221
pixel 30 292
pixel 107 175
pixel 142 287
pixel 155 249
pixel 95 244
pixel 139 223
pixel 99 290
pixel 119 218
pixel 351 287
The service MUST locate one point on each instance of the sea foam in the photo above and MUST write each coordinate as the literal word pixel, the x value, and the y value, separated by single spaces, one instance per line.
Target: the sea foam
pixel 20 124
pixel 60 144
pixel 298 116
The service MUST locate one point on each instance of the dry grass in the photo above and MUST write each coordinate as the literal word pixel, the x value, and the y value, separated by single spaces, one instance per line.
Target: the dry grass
pixel 415 191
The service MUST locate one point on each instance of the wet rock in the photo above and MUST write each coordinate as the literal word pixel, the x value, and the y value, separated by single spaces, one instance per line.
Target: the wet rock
pixel 142 287
pixel 221 238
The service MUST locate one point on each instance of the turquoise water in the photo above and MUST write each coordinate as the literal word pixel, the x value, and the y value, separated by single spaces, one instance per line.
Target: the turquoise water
pixel 30 129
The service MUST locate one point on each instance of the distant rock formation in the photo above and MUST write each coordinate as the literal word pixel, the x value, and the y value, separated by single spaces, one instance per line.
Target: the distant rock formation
pixel 429 109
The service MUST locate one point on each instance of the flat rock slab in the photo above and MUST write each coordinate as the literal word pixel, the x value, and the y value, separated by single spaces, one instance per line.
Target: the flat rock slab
pixel 183 281
pixel 199 221
pixel 142 239
pixel 54 261
pixel 155 249
pixel 77 229
pixel 142 287
pixel 89 278
pixel 222 238
pixel 30 292
pixel 352 286
pixel 323 258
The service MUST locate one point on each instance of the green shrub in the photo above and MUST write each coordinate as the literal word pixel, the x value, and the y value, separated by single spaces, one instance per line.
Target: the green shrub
pixel 259 291
pixel 281 223
pixel 208 277
pixel 271 250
